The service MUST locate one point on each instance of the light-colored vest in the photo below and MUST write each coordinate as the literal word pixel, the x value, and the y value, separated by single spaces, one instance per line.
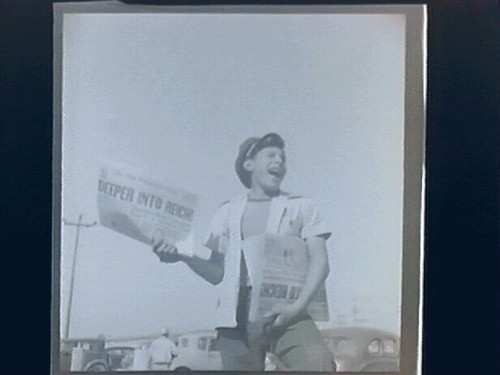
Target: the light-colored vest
pixel 227 290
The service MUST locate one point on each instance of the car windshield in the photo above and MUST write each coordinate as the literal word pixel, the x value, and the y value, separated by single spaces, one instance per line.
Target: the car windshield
pixel 341 344
pixel 97 345
pixel 202 343
pixel 213 345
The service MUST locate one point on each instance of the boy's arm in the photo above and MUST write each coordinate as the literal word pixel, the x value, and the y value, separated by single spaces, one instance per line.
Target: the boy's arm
pixel 318 271
pixel 212 269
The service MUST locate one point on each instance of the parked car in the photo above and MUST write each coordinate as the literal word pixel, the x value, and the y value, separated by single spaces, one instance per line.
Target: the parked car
pixel 363 349
pixel 197 351
pixel 83 354
pixel 90 354
pixel 120 358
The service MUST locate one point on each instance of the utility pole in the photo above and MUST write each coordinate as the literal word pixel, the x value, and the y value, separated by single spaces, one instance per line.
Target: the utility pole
pixel 78 225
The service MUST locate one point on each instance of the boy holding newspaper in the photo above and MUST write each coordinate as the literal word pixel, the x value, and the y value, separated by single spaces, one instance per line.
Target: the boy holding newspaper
pixel 291 334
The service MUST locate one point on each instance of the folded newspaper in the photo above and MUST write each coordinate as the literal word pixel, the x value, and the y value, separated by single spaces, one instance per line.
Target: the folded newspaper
pixel 142 208
pixel 278 267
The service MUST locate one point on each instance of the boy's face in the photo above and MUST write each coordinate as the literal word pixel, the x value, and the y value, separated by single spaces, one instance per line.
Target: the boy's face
pixel 268 168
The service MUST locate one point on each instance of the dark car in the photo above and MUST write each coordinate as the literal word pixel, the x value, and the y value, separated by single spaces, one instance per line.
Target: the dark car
pixel 363 349
pixel 119 357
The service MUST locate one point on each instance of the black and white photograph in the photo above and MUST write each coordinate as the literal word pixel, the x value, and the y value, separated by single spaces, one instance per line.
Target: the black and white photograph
pixel 238 188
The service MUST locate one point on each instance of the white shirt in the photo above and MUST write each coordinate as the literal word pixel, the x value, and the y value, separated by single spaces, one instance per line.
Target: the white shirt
pixel 161 350
pixel 288 215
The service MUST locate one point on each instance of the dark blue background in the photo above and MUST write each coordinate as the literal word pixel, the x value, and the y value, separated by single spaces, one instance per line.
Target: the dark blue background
pixel 462 283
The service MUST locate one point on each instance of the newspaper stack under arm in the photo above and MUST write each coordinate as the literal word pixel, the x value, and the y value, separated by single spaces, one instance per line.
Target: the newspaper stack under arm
pixel 278 267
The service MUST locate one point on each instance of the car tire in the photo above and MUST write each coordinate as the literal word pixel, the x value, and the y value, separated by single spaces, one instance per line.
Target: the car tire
pixel 182 370
pixel 97 367
pixel 382 367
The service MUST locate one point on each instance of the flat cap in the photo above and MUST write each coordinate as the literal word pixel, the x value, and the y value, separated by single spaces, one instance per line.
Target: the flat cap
pixel 249 148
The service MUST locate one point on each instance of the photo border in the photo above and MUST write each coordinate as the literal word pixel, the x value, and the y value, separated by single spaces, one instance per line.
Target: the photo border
pixel 414 151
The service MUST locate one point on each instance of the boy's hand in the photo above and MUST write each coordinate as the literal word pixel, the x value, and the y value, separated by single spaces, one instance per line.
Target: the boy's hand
pixel 282 314
pixel 167 252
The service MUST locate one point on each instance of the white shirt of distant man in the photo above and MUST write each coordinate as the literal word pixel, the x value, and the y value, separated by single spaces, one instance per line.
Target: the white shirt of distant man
pixel 161 352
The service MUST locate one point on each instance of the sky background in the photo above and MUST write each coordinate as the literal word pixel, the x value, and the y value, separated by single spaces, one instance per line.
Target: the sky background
pixel 176 94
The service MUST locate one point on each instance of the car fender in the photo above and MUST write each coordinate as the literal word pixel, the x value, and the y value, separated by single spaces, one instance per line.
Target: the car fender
pixel 179 361
pixel 95 362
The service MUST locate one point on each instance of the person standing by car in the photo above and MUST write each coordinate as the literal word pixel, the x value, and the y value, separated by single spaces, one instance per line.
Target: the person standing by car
pixel 294 337
pixel 161 352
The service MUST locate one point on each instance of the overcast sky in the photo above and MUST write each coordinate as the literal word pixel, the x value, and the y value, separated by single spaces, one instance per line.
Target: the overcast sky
pixel 175 95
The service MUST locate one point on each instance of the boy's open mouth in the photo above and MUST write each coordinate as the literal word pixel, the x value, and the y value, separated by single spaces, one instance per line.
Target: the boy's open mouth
pixel 277 172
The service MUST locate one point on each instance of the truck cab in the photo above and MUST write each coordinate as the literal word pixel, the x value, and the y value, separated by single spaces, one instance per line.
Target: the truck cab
pixel 83 354
pixel 197 351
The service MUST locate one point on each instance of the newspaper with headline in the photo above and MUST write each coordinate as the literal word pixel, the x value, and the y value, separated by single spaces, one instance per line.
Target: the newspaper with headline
pixel 143 208
pixel 278 267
